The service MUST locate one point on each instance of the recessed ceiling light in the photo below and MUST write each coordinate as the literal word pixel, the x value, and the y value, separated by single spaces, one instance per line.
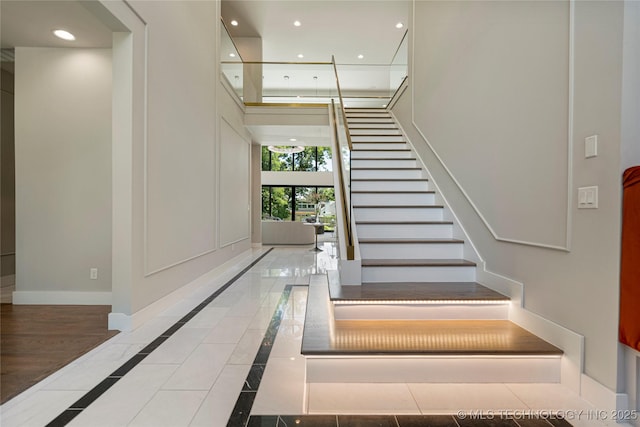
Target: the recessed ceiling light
pixel 300 55
pixel 384 105
pixel 297 23
pixel 399 25
pixel 65 35
pixel 234 23
pixel 292 139
pixel 360 56
pixel 233 55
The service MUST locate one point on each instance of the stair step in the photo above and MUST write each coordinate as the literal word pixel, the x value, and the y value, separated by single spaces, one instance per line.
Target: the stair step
pixel 417 263
pixel 414 292
pixel 399 229
pixel 377 138
pixel 418 270
pixel 387 184
pixel 395 248
pixel 374 131
pixel 400 212
pixel 420 350
pixel 384 163
pixel 378 145
pixel 386 173
pixel 402 153
pixel 374 125
pixel 386 198
pixel 370 121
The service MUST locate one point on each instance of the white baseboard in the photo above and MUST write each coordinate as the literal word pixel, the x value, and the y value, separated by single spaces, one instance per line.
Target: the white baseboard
pixel 128 322
pixel 61 298
pixel 571 343
pixel 601 397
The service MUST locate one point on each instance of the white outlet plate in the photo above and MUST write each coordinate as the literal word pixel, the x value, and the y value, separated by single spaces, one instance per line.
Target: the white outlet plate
pixel 93 274
pixel 588 197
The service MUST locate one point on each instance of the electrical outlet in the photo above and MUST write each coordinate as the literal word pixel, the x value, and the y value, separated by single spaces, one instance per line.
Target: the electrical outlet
pixel 93 274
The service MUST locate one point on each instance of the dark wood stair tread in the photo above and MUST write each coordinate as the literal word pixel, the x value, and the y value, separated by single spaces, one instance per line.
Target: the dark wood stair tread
pixel 393 192
pixel 396 240
pixel 385 169
pixel 426 337
pixel 398 206
pixel 386 159
pixel 389 179
pixel 417 263
pixel 385 149
pixel 405 222
pixel 414 291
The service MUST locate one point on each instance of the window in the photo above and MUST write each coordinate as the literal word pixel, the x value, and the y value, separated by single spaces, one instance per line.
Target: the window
pixel 311 159
pixel 279 203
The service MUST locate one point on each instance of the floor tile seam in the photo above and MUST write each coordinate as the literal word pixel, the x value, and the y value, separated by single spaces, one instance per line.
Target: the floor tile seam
pixel 58 421
pixel 512 391
pixel 415 399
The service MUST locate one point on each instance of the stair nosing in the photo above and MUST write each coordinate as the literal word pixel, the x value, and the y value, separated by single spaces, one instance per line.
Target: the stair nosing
pixel 417 240
pixel 370 262
pixel 398 206
pixel 405 222
pixel 413 159
pixel 389 179
pixel 385 169
pixel 393 192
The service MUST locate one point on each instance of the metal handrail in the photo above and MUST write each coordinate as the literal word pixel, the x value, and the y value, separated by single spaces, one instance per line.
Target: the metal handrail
pixel 346 217
pixel 344 113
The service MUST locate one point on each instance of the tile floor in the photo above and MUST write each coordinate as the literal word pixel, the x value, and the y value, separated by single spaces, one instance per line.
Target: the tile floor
pixel 195 377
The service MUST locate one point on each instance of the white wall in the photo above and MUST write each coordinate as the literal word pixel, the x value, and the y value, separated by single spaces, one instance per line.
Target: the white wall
pixel 630 154
pixel 168 133
pixel 300 179
pixel 492 88
pixel 63 174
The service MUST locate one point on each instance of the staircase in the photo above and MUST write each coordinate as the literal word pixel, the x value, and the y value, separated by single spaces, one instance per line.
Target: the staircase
pixel 419 315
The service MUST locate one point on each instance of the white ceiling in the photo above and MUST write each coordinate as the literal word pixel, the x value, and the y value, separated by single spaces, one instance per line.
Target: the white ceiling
pixel 27 23
pixel 344 28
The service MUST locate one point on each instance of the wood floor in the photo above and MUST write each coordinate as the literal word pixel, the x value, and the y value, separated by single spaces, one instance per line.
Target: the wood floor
pixel 37 340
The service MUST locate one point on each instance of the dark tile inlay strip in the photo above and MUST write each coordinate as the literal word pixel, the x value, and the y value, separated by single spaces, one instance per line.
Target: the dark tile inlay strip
pixel 240 415
pixel 396 421
pixel 92 395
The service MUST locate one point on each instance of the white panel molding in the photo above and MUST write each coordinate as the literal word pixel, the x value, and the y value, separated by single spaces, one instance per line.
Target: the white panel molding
pixel 147 272
pixel 61 298
pixel 222 244
pixel 496 236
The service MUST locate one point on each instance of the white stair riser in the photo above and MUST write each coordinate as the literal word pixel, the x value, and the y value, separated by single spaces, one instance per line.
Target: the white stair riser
pixel 377 131
pixel 393 198
pixel 380 154
pixel 384 163
pixel 382 173
pixel 379 145
pixel 414 311
pixel 411 250
pixel 370 121
pixel 390 185
pixel 433 369
pixel 375 138
pixel 418 274
pixel 398 214
pixel 433 231
pixel 354 125
pixel 367 114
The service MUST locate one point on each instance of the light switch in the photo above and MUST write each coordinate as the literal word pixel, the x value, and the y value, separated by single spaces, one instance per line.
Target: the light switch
pixel 588 197
pixel 591 146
